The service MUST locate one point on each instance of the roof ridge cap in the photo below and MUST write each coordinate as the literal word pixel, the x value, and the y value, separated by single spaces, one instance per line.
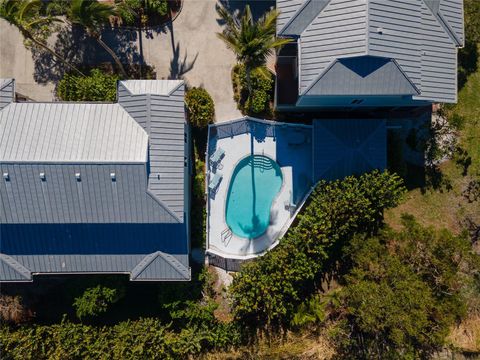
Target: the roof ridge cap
pixel 16 266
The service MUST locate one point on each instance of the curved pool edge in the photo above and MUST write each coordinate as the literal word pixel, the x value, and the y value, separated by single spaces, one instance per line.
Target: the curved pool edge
pixel 274 199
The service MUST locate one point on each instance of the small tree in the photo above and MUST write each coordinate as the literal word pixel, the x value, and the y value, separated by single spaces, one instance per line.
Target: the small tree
pixel 98 86
pixel 93 15
pixel 201 110
pixel 251 41
pixel 95 301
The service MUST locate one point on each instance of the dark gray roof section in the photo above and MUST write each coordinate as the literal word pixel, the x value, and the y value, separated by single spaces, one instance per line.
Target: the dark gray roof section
pixel 421 36
pixel 160 263
pixel 365 75
pixel 93 198
pixel 75 192
pixel 164 120
pixel 346 147
pixel 70 132
pixel 7 92
pixel 176 269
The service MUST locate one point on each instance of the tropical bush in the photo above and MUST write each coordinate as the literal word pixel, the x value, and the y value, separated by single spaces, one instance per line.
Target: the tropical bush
pixel 95 300
pixel 140 339
pixel 261 80
pixel 201 110
pixel 98 86
pixel 252 42
pixel 404 291
pixel 267 290
pixel 133 11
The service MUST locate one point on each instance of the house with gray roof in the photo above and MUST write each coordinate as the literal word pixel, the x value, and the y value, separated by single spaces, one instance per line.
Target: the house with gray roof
pixel 368 53
pixel 96 188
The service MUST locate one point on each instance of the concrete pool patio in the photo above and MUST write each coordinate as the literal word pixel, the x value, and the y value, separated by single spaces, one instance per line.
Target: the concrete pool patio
pixel 290 146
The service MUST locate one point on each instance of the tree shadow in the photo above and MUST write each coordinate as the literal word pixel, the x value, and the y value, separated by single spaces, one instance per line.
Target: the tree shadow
pixel 178 66
pixel 81 50
pixel 258 7
pixel 467 62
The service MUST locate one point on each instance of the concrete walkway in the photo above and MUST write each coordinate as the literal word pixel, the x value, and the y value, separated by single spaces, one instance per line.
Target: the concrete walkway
pixel 188 48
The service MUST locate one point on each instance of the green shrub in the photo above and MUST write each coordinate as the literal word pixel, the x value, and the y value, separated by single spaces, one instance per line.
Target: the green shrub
pixel 95 301
pixel 201 110
pixel 98 86
pixel 262 90
pixel 266 291
pixel 159 7
pixel 140 339
pixel 404 291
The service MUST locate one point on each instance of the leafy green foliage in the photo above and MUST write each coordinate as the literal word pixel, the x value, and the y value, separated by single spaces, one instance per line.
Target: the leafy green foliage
pixel 134 11
pixel 268 289
pixel 95 300
pixel 201 110
pixel 98 86
pixel 261 82
pixel 251 41
pixel 159 7
pixel 141 339
pixel 404 291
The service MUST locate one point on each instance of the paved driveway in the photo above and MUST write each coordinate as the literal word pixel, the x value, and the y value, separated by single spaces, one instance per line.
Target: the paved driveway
pixel 188 48
pixel 191 41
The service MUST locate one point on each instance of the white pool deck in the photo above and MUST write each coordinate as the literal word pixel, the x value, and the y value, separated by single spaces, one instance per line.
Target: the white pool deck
pixel 281 214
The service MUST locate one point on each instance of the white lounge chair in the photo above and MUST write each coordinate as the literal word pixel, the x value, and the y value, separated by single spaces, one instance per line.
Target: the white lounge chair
pixel 217 155
pixel 214 181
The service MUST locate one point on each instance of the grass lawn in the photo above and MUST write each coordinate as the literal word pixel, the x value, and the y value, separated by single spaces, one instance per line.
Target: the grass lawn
pixel 449 208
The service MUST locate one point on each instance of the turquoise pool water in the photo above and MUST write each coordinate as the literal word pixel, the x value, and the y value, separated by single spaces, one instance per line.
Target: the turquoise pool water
pixel 255 182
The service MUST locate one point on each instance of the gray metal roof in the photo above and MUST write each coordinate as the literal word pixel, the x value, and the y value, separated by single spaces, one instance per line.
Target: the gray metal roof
pixel 78 194
pixel 21 268
pixel 7 92
pixel 70 132
pixel 421 35
pixel 94 198
pixel 345 147
pixel 365 75
pixel 139 87
pixel 163 118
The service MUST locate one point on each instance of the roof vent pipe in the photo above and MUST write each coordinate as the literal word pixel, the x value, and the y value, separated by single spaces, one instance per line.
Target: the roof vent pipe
pixel 113 176
pixel 78 177
pixel 6 176
pixel 42 176
pixel 380 30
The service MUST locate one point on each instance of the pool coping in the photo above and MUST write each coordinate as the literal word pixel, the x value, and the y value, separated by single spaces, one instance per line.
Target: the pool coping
pixel 281 233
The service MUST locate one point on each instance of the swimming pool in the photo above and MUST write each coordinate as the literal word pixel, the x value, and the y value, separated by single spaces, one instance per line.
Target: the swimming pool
pixel 255 182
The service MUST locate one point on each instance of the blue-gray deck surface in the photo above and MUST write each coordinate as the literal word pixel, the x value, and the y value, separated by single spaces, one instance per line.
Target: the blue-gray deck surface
pixel 298 157
pixel 348 147
pixel 94 209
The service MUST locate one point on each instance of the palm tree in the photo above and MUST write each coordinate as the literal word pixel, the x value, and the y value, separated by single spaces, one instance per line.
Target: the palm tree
pixel 251 41
pixel 26 16
pixel 92 15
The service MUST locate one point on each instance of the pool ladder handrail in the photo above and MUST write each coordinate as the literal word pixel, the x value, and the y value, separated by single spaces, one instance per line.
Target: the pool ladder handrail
pixel 226 236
